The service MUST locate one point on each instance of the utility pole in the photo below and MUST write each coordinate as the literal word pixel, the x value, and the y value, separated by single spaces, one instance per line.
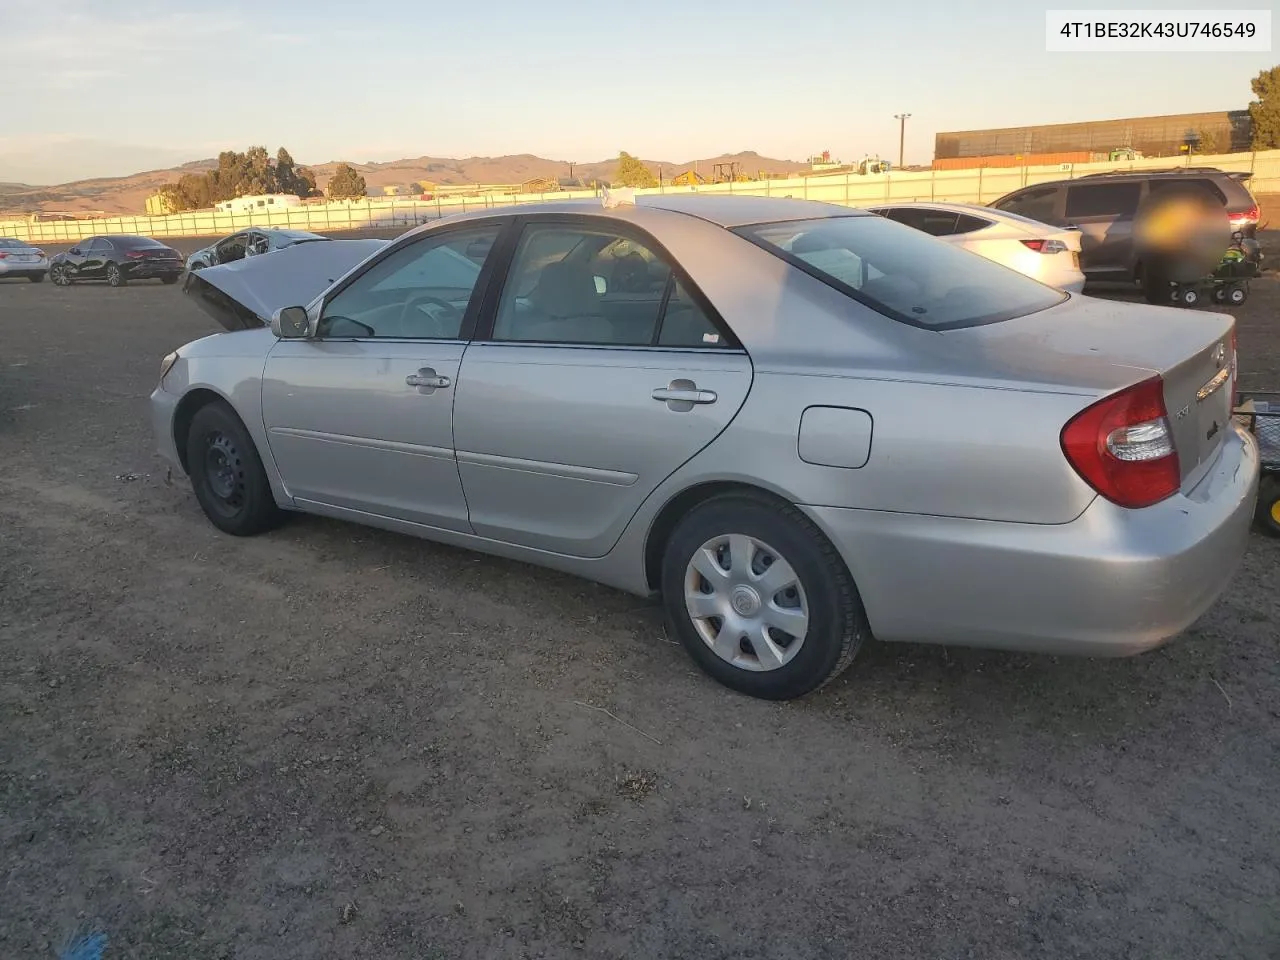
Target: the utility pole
pixel 571 166
pixel 902 133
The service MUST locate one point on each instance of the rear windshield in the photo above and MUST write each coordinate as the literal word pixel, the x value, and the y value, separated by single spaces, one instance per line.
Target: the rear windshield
pixel 6 242
pixel 134 243
pixel 903 273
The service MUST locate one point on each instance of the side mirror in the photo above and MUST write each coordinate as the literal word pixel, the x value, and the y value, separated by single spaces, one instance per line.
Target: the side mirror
pixel 75 251
pixel 291 323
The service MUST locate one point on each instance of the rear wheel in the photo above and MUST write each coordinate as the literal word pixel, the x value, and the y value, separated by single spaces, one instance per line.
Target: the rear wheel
pixel 760 598
pixel 227 475
pixel 114 277
pixel 1189 296
pixel 1268 513
pixel 1237 294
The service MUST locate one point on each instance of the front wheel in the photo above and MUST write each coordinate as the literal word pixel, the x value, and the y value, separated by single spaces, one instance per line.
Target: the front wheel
pixel 60 276
pixel 114 277
pixel 760 598
pixel 227 475
pixel 1237 294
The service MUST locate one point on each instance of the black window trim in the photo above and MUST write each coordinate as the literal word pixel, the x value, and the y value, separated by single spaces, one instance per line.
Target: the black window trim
pixel 620 228
pixel 745 231
pixel 474 306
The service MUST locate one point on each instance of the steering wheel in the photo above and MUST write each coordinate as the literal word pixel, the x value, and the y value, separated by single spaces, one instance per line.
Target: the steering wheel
pixel 450 312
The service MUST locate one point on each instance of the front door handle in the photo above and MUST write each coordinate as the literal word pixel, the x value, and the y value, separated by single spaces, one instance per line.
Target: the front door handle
pixel 681 395
pixel 427 380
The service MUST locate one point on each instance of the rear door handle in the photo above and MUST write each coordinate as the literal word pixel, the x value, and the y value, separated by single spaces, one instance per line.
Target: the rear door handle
pixel 681 395
pixel 427 380
pixel 685 396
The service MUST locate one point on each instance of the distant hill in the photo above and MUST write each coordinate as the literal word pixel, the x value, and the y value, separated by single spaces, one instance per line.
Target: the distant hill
pixel 128 195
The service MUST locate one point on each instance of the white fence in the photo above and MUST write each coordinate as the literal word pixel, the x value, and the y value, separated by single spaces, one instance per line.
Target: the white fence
pixel 981 185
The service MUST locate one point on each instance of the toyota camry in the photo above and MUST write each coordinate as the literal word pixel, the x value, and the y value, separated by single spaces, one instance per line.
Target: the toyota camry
pixel 800 425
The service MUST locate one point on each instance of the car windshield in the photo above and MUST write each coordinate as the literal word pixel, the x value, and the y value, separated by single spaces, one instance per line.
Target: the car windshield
pixel 902 273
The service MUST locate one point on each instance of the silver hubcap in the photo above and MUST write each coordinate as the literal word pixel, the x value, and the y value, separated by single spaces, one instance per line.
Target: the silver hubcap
pixel 746 602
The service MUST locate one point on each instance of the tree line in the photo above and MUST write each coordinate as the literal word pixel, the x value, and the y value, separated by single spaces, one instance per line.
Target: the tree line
pixel 253 173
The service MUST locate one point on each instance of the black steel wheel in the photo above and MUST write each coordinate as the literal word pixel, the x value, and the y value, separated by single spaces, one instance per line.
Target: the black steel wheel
pixel 227 474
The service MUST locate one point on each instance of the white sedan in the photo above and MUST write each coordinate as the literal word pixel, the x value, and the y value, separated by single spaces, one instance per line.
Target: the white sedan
pixel 1042 252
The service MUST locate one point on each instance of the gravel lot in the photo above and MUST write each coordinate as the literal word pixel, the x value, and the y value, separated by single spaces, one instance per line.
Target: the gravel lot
pixel 336 742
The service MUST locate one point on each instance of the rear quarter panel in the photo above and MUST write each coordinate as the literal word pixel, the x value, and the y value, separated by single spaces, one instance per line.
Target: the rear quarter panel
pixel 937 448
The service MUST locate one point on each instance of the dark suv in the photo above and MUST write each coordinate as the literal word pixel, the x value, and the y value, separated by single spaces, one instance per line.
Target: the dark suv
pixel 1103 205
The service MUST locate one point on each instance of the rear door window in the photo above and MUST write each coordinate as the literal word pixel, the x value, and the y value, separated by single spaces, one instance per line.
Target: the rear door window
pixel 968 224
pixel 936 223
pixel 1115 200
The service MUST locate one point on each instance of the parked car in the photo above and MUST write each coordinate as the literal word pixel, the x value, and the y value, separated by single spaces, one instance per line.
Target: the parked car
pixel 248 243
pixel 1048 254
pixel 1103 206
pixel 21 259
pixel 799 424
pixel 117 260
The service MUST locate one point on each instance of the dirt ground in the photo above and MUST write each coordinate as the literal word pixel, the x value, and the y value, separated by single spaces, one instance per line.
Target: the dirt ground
pixel 336 742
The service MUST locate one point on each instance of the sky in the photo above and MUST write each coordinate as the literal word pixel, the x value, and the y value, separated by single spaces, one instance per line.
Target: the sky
pixel 112 89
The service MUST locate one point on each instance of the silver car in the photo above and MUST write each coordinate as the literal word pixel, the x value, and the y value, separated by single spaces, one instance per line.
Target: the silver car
pixel 18 258
pixel 248 243
pixel 801 425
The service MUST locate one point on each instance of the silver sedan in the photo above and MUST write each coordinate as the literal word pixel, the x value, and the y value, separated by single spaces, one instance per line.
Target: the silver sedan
pixel 20 259
pixel 799 424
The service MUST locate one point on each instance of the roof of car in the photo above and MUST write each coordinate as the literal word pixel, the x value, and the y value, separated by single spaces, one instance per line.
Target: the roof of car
pixel 935 205
pixel 722 210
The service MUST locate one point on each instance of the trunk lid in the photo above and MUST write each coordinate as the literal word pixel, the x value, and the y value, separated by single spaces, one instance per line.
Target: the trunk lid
pixel 1097 347
pixel 245 293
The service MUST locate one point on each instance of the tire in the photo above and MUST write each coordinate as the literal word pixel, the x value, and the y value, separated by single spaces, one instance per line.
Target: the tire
pixel 1220 294
pixel 1190 297
pixel 822 588
pixel 1267 515
pixel 36 278
pixel 227 475
pixel 114 277
pixel 59 276
pixel 1237 294
pixel 169 279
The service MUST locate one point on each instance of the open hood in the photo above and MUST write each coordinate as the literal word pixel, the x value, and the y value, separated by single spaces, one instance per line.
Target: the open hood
pixel 244 294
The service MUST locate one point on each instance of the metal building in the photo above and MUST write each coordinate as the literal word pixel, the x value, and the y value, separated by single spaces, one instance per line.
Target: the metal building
pixel 1221 132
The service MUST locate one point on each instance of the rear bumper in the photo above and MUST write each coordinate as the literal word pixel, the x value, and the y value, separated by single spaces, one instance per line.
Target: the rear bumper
pixel 143 269
pixel 28 268
pixel 1112 582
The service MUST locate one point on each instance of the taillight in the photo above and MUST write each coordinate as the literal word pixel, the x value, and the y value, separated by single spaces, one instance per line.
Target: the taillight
pixel 1244 219
pixel 39 252
pixel 1046 246
pixel 3 255
pixel 136 254
pixel 1123 446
